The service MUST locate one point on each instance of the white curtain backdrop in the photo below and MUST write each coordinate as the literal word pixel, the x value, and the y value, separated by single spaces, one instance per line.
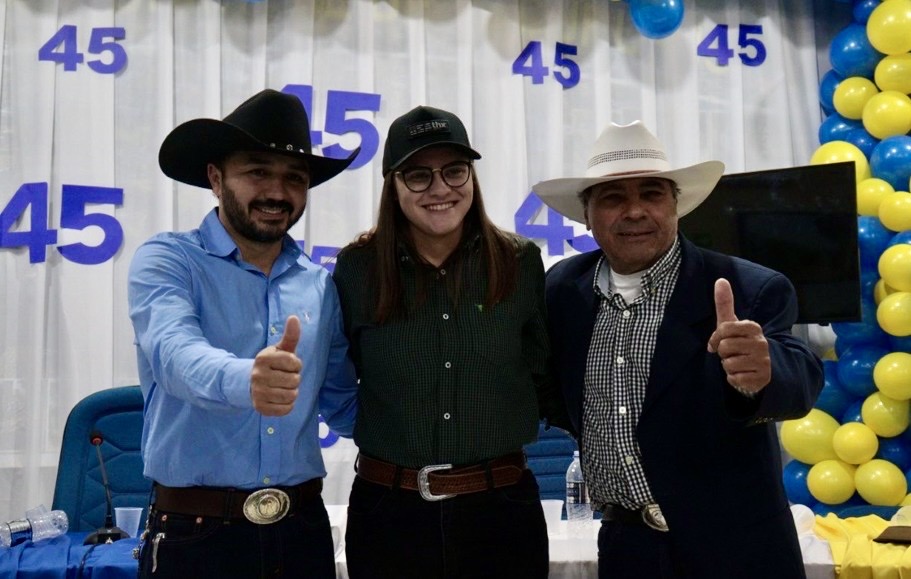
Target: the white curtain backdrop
pixel 98 122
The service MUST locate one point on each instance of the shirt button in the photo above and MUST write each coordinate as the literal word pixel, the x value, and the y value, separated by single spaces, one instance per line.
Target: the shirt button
pixel 448 364
pixel 622 410
pixel 629 460
pixel 446 416
pixel 266 480
pixel 620 360
pixel 442 272
pixel 626 313
pixel 445 316
pixel 272 330
pixel 270 430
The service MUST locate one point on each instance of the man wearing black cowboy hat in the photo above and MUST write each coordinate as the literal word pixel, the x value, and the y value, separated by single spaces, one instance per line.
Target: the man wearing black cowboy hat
pixel 675 362
pixel 240 346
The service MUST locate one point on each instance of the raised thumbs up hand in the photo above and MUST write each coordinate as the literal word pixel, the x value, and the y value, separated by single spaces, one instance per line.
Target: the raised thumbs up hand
pixel 741 345
pixel 276 376
pixel 292 335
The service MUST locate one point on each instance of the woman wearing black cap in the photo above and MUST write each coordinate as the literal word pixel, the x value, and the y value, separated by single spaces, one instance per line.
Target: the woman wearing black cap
pixel 445 315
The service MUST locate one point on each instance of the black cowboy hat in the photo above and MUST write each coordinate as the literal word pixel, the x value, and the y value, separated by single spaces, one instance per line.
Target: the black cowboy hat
pixel 268 121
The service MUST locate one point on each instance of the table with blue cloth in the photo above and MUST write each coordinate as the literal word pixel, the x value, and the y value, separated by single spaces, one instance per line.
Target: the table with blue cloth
pixel 66 557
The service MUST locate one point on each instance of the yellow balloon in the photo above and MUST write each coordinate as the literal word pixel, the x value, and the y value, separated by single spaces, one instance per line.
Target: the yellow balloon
pixel 839 151
pixel 895 210
pixel 895 262
pixel 894 314
pixel 880 483
pixel 809 439
pixel 892 376
pixel 894 73
pixel 851 95
pixel 881 290
pixel 885 416
pixel 870 193
pixel 887 114
pixel 889 27
pixel 831 481
pixel 906 501
pixel 855 443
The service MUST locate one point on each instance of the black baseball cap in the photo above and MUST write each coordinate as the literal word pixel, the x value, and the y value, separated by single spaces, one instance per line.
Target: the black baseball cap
pixel 423 127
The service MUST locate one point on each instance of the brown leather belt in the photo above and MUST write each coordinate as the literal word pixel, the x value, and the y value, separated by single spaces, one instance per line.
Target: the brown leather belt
pixel 441 481
pixel 227 503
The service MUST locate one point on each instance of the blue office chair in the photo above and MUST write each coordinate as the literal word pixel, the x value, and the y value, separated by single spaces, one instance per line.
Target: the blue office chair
pixel 116 415
pixel 548 459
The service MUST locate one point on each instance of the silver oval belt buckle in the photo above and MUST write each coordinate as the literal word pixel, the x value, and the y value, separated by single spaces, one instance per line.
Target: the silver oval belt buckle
pixel 654 518
pixel 266 506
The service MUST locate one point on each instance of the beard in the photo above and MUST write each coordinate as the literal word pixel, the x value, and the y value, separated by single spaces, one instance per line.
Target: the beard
pixel 239 218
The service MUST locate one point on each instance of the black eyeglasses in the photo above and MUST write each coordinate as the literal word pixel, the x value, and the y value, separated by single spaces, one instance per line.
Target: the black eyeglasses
pixel 419 179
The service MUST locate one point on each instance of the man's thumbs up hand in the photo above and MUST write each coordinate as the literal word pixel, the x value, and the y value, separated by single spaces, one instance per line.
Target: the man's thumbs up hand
pixel 276 375
pixel 741 346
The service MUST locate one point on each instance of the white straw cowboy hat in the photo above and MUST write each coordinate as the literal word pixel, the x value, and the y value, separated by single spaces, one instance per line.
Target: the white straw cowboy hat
pixel 624 152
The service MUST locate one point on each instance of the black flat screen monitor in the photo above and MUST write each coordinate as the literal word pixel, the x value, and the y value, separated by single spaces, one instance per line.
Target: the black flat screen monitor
pixel 800 221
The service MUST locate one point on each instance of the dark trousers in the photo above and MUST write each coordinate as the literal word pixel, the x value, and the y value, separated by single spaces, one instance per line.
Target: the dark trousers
pixel 397 534
pixel 299 545
pixel 635 552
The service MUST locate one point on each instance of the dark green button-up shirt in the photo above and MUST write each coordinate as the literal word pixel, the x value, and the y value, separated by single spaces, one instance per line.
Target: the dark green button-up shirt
pixel 453 383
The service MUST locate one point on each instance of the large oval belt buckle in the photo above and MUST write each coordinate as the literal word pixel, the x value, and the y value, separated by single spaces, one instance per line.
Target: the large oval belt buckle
pixel 266 506
pixel 654 518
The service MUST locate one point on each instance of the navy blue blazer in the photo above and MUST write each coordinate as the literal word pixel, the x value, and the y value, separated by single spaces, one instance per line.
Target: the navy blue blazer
pixel 711 456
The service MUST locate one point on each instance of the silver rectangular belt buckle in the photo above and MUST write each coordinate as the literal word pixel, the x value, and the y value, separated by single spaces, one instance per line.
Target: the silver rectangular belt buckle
pixel 424 482
pixel 654 518
pixel 267 506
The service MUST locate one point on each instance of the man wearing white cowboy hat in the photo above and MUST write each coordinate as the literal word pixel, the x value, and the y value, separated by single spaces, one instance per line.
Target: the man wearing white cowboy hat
pixel 240 346
pixel 675 362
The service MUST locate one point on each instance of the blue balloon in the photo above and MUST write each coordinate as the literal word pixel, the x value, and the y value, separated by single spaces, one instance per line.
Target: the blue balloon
pixel 855 369
pixel 861 13
pixel 861 139
pixel 900 344
pixel 656 18
pixel 851 53
pixel 891 161
pixel 864 332
pixel 833 401
pixel 822 509
pixel 794 476
pixel 852 414
pixel 901 237
pixel 869 276
pixel 836 128
pixel 872 240
pixel 896 451
pixel 827 86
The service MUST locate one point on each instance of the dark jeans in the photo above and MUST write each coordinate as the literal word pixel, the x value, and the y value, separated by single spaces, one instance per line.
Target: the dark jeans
pixel 300 545
pixel 397 534
pixel 634 552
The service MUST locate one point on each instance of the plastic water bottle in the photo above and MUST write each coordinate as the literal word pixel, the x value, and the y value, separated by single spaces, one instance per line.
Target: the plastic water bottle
pixel 37 526
pixel 578 504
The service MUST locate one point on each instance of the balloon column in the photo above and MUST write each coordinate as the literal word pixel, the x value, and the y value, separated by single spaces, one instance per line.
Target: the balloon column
pixel 854 448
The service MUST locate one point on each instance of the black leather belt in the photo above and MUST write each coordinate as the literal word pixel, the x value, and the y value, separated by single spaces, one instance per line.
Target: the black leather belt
pixel 647 516
pixel 261 506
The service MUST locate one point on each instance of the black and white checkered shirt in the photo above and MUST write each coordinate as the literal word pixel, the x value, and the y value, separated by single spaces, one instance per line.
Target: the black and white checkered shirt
pixel 616 374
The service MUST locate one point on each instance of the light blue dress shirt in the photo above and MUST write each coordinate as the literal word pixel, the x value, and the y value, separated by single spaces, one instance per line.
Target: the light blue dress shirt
pixel 201 314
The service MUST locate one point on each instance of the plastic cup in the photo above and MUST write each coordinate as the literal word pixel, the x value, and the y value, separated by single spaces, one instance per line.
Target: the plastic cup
pixel 128 519
pixel 553 513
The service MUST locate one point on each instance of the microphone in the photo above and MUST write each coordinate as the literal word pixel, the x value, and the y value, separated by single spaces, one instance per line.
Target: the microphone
pixel 108 533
